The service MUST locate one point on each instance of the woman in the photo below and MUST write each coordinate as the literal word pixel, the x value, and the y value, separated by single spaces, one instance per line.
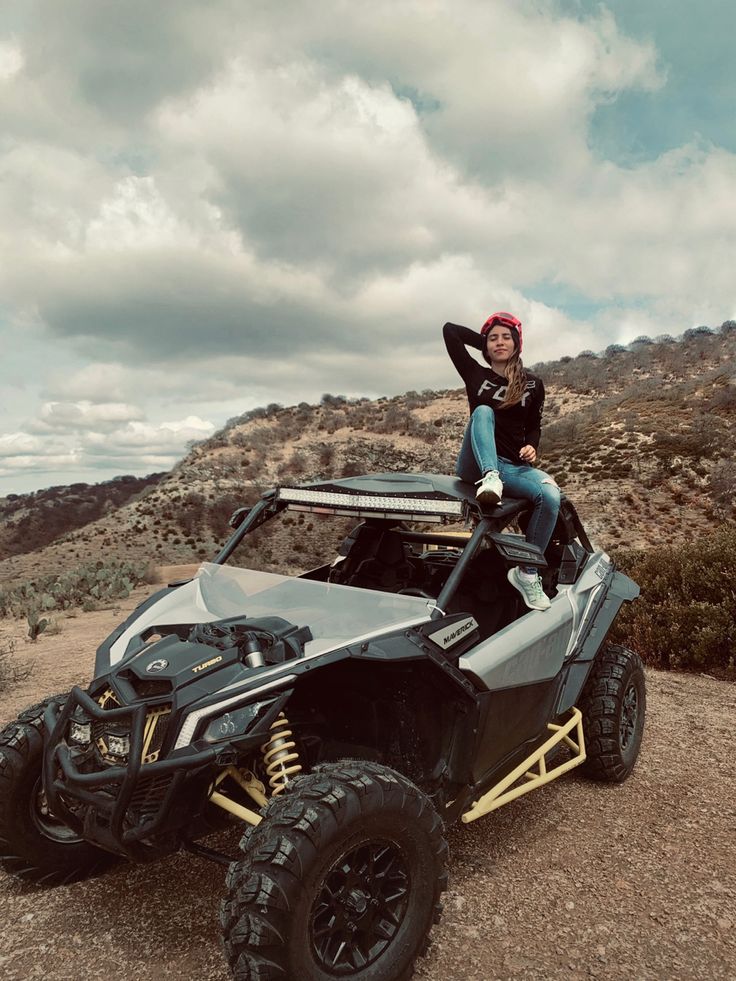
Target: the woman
pixel 502 437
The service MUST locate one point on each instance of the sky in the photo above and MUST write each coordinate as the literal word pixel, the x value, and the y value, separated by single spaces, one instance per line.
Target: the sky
pixel 211 206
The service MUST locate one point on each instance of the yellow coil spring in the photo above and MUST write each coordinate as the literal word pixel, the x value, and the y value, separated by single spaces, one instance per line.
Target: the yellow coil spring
pixel 279 756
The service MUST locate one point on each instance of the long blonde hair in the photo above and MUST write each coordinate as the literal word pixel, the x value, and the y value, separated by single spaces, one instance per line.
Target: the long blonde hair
pixel 515 374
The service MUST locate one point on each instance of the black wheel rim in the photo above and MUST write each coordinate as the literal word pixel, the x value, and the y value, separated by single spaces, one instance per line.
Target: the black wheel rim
pixel 360 907
pixel 45 822
pixel 629 716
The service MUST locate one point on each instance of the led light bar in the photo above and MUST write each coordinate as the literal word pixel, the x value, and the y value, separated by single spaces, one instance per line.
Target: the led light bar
pixel 370 502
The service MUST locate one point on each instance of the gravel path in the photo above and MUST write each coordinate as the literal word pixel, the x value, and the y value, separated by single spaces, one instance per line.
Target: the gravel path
pixel 576 880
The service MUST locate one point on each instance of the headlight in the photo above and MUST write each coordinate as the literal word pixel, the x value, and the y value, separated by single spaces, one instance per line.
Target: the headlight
pixel 118 745
pixel 80 732
pixel 231 724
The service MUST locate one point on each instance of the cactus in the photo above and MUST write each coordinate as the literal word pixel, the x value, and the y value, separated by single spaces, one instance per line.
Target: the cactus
pixel 35 625
pixel 91 583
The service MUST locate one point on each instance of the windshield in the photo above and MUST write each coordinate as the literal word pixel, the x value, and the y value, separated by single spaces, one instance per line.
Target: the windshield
pixel 335 614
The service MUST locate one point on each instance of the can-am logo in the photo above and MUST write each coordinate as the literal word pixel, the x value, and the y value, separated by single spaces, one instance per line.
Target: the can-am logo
pixel 155 666
pixel 449 636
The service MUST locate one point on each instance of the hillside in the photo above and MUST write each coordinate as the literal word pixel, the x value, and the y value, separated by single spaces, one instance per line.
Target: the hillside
pixel 31 521
pixel 639 437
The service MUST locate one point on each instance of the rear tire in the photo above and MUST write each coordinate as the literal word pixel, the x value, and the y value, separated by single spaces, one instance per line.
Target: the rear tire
pixel 342 879
pixel 34 845
pixel 613 705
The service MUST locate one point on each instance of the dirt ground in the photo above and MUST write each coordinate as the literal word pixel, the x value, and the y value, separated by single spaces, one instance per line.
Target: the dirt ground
pixel 574 881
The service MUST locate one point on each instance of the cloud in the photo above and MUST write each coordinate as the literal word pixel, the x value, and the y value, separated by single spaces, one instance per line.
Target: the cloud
pixel 81 416
pixel 11 60
pixel 19 444
pixel 107 437
pixel 289 183
pixel 95 382
pixel 205 209
pixel 511 86
pixel 164 438
pixel 24 453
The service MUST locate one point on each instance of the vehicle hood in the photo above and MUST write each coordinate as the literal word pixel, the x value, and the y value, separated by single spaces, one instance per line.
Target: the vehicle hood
pixel 336 615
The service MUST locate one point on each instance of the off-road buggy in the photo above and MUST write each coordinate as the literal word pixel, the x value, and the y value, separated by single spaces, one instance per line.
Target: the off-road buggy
pixel 346 716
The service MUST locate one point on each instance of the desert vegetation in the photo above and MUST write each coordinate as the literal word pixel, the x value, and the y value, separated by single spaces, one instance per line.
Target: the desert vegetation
pixel 686 617
pixel 87 586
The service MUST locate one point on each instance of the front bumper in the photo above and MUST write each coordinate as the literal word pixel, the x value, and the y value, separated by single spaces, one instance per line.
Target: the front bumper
pixel 121 808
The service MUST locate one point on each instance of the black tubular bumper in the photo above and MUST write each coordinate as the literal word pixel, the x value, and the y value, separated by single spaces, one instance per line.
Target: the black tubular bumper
pixel 108 792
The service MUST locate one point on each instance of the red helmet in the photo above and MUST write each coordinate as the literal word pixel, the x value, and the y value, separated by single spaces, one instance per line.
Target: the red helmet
pixel 505 320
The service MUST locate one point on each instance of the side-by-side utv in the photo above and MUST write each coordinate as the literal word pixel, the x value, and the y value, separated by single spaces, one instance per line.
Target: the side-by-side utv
pixel 346 716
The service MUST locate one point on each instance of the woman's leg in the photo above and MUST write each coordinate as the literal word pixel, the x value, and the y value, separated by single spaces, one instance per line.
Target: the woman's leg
pixel 478 452
pixel 522 480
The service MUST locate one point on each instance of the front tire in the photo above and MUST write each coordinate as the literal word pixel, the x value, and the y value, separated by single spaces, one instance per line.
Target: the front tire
pixel 613 705
pixel 34 845
pixel 342 879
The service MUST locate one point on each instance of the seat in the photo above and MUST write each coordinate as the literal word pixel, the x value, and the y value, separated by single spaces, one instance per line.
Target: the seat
pixel 376 558
pixel 486 594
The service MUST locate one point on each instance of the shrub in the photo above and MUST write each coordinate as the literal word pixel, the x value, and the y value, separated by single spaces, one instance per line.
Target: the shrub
pixel 693 332
pixel 686 615
pixel 10 674
pixel 333 400
pixel 326 454
pixel 93 580
pixel 723 489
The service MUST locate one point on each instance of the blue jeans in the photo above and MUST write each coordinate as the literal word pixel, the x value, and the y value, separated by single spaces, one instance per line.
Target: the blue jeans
pixel 478 455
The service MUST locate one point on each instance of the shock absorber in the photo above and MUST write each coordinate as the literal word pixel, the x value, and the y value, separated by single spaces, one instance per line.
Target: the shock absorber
pixel 280 757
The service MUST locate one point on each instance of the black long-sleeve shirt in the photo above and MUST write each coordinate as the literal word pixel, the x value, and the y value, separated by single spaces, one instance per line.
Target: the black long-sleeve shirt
pixel 517 426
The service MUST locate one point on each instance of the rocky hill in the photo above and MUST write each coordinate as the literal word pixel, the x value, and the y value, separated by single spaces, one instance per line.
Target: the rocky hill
pixel 639 437
pixel 29 522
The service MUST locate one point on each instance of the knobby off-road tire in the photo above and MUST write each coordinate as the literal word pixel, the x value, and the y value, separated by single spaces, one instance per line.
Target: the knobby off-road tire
pixel 342 879
pixel 613 704
pixel 34 845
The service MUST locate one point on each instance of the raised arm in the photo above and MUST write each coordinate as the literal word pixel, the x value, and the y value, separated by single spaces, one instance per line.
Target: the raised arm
pixel 457 340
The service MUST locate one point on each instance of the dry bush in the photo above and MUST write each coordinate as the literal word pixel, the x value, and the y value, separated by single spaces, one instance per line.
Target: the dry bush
pixel 10 674
pixel 686 615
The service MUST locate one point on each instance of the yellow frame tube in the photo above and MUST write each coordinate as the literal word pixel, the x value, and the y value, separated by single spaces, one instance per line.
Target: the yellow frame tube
pixel 253 787
pixel 504 791
pixel 237 809
pixel 249 784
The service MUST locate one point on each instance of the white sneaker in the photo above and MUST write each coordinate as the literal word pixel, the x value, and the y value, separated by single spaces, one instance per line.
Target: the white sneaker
pixel 531 590
pixel 490 488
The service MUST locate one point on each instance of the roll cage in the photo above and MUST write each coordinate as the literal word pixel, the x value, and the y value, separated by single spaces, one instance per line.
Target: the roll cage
pixel 396 548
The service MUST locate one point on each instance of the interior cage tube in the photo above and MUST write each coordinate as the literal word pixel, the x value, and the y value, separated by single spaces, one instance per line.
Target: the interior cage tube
pixel 280 757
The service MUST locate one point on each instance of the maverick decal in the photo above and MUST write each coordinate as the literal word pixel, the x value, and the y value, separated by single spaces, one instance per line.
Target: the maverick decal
pixel 449 636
